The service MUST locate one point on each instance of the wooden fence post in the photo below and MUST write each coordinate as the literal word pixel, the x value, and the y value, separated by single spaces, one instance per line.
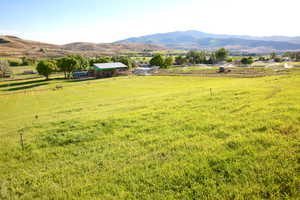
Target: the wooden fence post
pixel 22 140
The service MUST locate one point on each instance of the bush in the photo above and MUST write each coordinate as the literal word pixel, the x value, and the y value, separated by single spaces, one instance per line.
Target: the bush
pixel 14 63
pixel 229 60
pixel 247 61
pixel 277 59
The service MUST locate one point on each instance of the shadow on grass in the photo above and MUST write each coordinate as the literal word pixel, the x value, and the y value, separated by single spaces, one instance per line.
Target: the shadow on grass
pixel 26 87
pixel 80 80
pixel 8 84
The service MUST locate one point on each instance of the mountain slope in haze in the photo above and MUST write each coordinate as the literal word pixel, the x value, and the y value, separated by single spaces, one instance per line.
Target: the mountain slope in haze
pixel 11 46
pixel 87 46
pixel 201 40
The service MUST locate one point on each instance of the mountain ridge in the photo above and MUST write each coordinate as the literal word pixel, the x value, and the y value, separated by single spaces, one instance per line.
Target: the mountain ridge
pixel 193 39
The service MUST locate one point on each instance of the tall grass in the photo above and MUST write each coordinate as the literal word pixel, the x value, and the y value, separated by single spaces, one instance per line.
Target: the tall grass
pixel 152 138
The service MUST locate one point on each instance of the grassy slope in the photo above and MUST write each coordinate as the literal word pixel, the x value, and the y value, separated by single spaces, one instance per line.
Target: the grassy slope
pixel 151 138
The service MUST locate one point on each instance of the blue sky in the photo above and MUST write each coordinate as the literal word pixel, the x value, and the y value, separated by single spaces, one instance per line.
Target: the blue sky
pixel 64 21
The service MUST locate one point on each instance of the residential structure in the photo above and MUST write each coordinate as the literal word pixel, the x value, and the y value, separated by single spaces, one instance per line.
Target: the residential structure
pixel 102 70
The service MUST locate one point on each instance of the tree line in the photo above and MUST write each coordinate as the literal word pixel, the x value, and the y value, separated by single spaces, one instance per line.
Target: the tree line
pixel 192 57
pixel 293 55
pixel 72 63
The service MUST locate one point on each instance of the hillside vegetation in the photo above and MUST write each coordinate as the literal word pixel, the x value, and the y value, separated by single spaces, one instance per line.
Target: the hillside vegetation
pixel 151 138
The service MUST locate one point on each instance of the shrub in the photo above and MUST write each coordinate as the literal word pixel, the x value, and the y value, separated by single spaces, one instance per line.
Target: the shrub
pixel 14 63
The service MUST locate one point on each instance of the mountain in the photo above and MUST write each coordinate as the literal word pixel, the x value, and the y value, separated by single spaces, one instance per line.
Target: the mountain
pixel 201 40
pixel 11 46
pixel 110 47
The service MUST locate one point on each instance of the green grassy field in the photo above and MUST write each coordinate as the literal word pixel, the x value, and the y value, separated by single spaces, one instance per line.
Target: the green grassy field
pixel 21 69
pixel 151 138
pixel 214 69
pixel 17 72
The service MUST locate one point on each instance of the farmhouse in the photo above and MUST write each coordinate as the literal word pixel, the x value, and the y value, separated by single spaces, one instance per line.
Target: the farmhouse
pixel 102 70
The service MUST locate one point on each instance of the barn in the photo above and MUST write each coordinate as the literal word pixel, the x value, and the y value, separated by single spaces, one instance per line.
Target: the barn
pixel 103 70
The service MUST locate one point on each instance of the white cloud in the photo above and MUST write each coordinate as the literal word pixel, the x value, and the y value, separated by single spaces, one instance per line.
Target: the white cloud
pixel 10 32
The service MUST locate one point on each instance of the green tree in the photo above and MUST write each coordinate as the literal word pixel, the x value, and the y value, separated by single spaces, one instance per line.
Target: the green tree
pixel 68 65
pixel 221 54
pixel 100 60
pixel 125 60
pixel 229 60
pixel 196 57
pixel 128 62
pixel 297 55
pixel 273 55
pixel 25 61
pixel 83 62
pixel 287 54
pixel 157 60
pixel 15 63
pixel 180 60
pixel 277 59
pixel 247 61
pixel 212 58
pixel 46 68
pixel 168 62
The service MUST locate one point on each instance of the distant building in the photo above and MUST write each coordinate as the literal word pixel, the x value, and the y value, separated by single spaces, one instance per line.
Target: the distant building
pixel 145 71
pixel 102 70
pixel 78 75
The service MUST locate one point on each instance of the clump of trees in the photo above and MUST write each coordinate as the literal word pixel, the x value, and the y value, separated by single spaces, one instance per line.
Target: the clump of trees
pixel 68 65
pixel 181 60
pixel 293 55
pixel 125 60
pixel 203 57
pixel 221 54
pixel 196 57
pixel 24 61
pixel 262 58
pixel 72 63
pixel 274 57
pixel 83 62
pixel 159 60
pixel 247 60
pixel 28 61
pixel 46 67
pixel 103 59
pixel 15 63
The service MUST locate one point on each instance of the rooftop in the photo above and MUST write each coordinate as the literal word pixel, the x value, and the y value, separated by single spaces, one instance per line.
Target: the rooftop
pixel 101 66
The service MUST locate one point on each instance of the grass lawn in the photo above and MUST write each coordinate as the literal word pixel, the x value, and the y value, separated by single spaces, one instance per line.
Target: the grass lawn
pixel 151 138
pixel 191 69
pixel 214 69
pixel 17 72
pixel 21 69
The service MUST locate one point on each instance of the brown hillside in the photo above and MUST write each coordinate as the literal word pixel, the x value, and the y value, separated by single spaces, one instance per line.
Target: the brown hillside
pixel 11 46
